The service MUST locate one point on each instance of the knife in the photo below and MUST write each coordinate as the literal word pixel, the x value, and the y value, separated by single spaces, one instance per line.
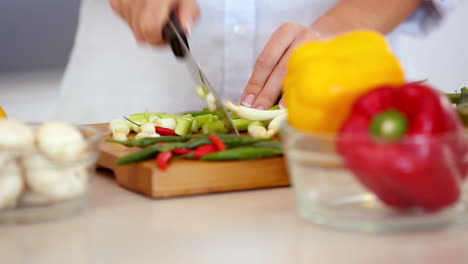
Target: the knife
pixel 175 36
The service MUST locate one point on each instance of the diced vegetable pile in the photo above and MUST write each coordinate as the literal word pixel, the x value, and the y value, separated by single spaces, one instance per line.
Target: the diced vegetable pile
pixel 199 135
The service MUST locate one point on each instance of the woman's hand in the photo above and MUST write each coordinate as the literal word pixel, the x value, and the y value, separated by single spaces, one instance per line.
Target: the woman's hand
pixel 265 84
pixel 147 18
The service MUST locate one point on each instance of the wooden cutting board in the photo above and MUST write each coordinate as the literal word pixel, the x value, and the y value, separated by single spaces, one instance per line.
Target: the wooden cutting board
pixel 189 177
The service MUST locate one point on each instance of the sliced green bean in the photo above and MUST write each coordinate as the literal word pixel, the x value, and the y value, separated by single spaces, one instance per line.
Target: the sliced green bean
pixel 243 153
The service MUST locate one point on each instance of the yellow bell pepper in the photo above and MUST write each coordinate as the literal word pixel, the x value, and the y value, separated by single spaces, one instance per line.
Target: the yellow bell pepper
pixel 2 113
pixel 326 77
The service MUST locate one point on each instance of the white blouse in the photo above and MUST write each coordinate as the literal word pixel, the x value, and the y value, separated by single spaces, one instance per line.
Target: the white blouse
pixel 110 75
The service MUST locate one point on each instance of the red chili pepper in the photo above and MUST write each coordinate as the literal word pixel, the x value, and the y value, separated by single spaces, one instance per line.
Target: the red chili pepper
pixel 204 150
pixel 165 131
pixel 406 144
pixel 163 160
pixel 218 142
pixel 182 151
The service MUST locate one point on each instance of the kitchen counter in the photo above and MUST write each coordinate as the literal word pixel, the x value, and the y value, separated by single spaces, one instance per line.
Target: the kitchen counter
pixel 242 227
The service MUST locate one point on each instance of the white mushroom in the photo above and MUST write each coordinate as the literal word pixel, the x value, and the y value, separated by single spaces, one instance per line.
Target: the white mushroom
pixel 60 141
pixel 54 181
pixel 11 184
pixel 15 135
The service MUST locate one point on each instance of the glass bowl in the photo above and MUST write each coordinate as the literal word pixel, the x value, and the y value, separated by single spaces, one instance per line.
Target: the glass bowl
pixel 330 194
pixel 34 187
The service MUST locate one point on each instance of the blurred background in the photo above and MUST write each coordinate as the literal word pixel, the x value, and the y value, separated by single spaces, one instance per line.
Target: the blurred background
pixel 36 40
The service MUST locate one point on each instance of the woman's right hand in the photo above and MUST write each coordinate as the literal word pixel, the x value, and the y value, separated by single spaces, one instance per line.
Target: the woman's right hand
pixel 147 18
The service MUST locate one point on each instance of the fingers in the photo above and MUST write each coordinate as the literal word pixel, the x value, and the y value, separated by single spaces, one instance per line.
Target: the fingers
pixel 188 11
pixel 153 19
pixel 267 61
pixel 147 18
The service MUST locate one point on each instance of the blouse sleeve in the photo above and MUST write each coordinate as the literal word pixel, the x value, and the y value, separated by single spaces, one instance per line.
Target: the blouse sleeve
pixel 428 17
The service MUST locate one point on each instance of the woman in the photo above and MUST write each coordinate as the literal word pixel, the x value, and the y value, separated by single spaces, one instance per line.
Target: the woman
pixel 242 45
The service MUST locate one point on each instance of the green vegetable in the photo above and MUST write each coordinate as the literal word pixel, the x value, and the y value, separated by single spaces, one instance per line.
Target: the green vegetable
pixel 389 125
pixel 232 140
pixel 269 144
pixel 151 152
pixel 195 126
pixel 214 127
pixel 145 142
pixel 203 119
pixel 241 124
pixel 184 126
pixel 243 153
pixel 147 153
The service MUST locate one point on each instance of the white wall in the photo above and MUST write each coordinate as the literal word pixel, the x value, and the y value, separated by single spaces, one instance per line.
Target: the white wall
pixel 443 56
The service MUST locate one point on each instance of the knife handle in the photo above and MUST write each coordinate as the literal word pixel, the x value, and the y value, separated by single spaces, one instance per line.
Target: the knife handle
pixel 171 37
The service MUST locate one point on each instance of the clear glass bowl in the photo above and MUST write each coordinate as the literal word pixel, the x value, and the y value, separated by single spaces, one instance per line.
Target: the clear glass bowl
pixel 328 193
pixel 46 189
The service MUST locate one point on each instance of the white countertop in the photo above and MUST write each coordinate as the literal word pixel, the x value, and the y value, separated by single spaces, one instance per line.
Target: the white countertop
pixel 242 227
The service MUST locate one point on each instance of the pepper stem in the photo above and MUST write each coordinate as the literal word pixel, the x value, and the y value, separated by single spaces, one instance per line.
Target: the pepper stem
pixel 389 125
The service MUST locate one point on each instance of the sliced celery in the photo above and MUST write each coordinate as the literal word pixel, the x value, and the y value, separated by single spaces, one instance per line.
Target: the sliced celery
pixel 184 126
pixel 195 126
pixel 203 119
pixel 214 127
pixel 241 124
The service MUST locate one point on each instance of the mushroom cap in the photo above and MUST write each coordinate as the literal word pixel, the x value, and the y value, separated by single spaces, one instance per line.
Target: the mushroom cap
pixel 54 181
pixel 59 141
pixel 15 135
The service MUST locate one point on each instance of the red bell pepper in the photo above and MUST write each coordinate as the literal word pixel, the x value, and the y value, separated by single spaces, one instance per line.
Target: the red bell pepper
pixel 218 142
pixel 204 150
pixel 165 131
pixel 407 145
pixel 163 160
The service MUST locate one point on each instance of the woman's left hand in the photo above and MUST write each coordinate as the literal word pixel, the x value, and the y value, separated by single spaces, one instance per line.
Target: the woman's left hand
pixel 265 84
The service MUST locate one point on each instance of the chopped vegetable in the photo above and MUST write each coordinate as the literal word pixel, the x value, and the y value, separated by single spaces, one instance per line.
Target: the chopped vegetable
pixel 184 126
pixel 145 142
pixel 142 135
pixel 204 150
pixel 195 126
pixel 201 92
pixel 253 114
pixel 166 123
pixel 241 124
pixel 203 119
pixel 182 151
pixel 218 143
pixel 165 131
pixel 147 128
pixel 163 160
pixel 243 153
pixel 214 127
pixel 211 102
pixel 274 126
pixel 257 129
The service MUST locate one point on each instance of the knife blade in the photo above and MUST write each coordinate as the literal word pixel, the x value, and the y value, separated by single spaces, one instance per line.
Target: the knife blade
pixel 175 36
